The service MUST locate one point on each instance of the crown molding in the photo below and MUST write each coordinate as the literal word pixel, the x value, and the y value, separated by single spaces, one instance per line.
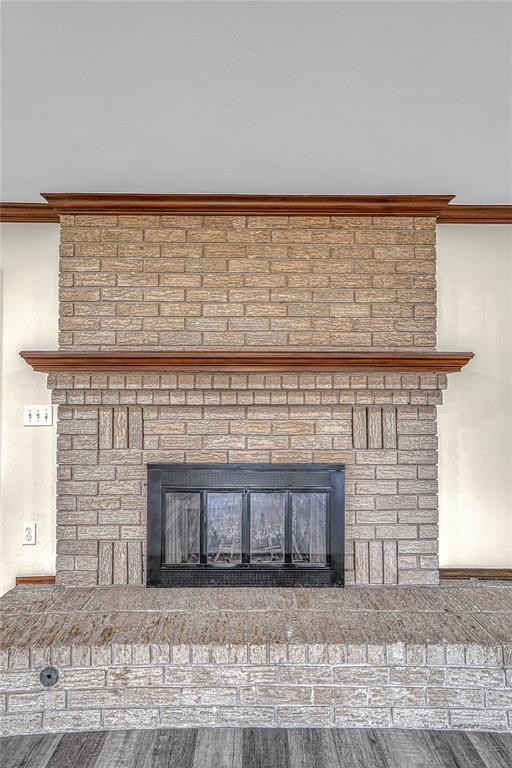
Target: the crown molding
pixel 346 362
pixel 476 214
pixel 436 206
pixel 31 213
pixel 249 205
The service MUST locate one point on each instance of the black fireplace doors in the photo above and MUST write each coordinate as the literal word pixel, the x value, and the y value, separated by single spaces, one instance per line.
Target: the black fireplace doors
pixel 245 525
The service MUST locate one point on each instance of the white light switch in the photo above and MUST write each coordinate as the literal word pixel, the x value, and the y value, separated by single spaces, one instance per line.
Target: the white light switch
pixel 37 415
pixel 29 533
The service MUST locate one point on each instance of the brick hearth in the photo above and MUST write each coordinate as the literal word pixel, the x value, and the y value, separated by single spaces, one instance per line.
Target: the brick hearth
pixel 130 657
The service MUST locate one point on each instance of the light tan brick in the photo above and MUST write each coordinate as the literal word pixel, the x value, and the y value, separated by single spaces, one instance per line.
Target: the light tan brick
pixel 79 234
pixel 164 235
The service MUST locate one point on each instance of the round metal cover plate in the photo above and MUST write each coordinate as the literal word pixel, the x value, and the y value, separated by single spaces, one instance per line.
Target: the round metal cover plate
pixel 49 676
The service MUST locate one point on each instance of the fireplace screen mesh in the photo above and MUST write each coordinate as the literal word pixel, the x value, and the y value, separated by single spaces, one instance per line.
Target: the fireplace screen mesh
pixel 267 515
pixel 181 527
pixel 309 527
pixel 224 527
pixel 245 524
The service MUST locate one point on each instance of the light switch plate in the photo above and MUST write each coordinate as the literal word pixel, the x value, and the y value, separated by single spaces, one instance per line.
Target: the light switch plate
pixel 37 415
pixel 29 533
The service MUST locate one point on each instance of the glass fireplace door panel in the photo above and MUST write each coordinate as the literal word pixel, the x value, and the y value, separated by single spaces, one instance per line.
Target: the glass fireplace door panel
pixel 224 527
pixel 309 527
pixel 181 527
pixel 268 512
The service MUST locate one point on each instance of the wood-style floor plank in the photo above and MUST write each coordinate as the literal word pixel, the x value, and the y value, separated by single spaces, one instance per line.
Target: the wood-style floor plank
pixel 358 748
pixel 126 749
pixel 495 749
pixel 91 750
pixel 33 751
pixel 221 748
pixel 454 749
pixel 80 749
pixel 406 749
pixel 14 748
pixel 173 748
pixel 265 748
pixel 259 748
pixel 312 746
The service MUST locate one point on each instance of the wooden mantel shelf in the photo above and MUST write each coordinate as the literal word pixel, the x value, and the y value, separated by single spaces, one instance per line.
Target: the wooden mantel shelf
pixel 345 362
pixel 247 205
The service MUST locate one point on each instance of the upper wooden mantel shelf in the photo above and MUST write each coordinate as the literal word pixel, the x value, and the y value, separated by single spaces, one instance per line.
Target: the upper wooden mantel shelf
pixel 346 362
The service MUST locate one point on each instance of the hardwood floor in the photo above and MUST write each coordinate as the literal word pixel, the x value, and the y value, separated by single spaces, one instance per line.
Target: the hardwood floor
pixel 259 748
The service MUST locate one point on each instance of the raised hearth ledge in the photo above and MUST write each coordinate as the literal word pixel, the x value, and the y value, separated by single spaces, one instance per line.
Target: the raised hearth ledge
pixel 347 362
pixel 355 657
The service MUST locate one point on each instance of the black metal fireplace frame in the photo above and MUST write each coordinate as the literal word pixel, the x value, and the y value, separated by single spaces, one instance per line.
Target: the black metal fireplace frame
pixel 331 479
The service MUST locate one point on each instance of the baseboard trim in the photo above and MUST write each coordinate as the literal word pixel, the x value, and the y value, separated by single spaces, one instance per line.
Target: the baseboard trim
pixel 35 580
pixel 496 574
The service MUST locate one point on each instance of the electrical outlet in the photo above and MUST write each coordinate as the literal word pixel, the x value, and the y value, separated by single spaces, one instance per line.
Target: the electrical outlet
pixel 29 533
pixel 37 415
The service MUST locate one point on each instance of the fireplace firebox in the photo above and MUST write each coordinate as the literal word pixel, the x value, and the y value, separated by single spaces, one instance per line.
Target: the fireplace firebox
pixel 245 525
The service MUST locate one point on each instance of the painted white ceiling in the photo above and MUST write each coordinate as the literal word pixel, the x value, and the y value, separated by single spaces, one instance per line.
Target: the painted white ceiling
pixel 279 97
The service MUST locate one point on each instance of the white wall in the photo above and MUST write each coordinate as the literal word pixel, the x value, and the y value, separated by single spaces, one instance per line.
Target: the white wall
pixel 29 267
pixel 475 423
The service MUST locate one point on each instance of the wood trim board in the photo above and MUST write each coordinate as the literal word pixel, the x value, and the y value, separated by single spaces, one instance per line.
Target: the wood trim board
pixel 287 205
pixel 222 205
pixel 254 205
pixel 28 213
pixel 497 574
pixel 347 362
pixel 35 580
pixel 476 214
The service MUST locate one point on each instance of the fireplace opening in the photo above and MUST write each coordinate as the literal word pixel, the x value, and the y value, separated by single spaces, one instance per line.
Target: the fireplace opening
pixel 245 525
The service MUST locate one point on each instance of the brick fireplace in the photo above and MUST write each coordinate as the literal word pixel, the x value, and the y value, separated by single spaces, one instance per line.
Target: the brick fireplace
pixel 283 335
pixel 280 283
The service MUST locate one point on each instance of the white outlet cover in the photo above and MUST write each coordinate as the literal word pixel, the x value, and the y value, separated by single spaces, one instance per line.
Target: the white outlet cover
pixel 37 415
pixel 29 533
